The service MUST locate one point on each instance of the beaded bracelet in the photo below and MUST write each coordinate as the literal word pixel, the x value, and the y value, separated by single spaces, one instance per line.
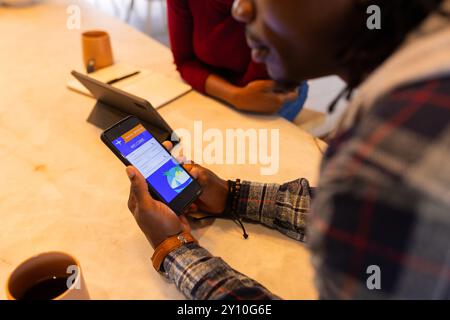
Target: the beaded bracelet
pixel 234 188
pixel 234 191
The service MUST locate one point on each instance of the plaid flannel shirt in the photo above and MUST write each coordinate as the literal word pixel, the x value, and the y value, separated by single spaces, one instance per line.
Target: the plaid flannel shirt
pixel 383 201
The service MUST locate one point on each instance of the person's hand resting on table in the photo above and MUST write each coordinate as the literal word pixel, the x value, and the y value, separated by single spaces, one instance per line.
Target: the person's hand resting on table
pixel 263 96
pixel 260 96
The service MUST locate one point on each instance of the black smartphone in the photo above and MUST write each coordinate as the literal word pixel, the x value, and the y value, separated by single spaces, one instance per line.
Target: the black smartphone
pixel 167 180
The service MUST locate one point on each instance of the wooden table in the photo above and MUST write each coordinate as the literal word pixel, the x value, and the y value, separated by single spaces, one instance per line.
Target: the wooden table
pixel 61 189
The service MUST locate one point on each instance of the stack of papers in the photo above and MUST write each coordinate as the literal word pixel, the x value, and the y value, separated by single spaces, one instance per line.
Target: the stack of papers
pixel 156 88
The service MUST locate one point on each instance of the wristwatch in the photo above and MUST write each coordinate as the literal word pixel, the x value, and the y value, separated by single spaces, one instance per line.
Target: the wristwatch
pixel 167 246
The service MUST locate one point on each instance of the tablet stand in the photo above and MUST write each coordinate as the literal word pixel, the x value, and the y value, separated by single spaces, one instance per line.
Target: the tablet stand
pixel 104 116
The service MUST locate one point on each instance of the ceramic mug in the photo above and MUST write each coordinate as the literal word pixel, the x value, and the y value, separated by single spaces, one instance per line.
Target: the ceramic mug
pixel 97 52
pixel 47 276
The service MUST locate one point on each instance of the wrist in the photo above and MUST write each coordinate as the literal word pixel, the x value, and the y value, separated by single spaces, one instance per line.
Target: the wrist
pixel 224 90
pixel 224 191
pixel 169 245
pixel 234 189
pixel 236 97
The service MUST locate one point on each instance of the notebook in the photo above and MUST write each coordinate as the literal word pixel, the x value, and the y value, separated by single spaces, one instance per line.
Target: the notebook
pixel 154 87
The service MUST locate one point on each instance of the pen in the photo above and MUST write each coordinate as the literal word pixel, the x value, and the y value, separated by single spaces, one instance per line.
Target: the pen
pixel 123 78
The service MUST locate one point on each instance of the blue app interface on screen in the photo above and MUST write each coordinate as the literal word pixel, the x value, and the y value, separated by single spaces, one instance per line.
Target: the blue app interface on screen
pixel 160 170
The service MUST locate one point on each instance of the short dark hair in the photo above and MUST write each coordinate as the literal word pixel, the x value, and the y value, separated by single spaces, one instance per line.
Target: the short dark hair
pixel 369 48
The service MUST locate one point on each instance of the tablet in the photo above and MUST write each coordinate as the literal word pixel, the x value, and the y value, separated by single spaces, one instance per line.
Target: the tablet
pixel 123 104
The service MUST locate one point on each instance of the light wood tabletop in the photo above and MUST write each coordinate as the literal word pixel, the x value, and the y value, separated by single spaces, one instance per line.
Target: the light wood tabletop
pixel 62 189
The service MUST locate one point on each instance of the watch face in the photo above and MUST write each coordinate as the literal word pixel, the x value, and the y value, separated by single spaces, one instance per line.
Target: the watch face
pixel 182 238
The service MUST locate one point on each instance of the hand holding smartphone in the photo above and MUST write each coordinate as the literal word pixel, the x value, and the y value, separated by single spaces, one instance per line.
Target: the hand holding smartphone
pixel 167 180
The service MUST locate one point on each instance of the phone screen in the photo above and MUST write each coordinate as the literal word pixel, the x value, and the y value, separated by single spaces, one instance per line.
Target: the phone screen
pixel 158 167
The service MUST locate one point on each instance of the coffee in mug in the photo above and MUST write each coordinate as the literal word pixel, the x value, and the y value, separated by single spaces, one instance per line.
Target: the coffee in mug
pixel 47 276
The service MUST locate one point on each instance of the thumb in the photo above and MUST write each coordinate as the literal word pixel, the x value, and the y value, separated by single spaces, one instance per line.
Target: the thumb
pixel 139 186
pixel 290 96
pixel 194 172
pixel 168 145
pixel 268 85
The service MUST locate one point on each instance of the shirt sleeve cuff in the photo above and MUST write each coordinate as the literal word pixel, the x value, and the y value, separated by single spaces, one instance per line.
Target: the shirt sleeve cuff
pixel 256 200
pixel 201 276
pixel 188 266
pixel 283 207
pixel 195 74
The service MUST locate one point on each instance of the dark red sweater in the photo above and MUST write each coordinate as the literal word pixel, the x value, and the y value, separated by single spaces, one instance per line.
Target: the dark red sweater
pixel 206 39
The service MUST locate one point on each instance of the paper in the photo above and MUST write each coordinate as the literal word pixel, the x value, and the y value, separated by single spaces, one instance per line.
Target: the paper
pixel 156 88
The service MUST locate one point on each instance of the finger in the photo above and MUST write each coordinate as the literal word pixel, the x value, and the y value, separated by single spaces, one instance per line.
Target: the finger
pixel 269 85
pixel 195 173
pixel 131 201
pixel 168 145
pixel 191 209
pixel 194 208
pixel 291 96
pixel 139 186
pixel 189 166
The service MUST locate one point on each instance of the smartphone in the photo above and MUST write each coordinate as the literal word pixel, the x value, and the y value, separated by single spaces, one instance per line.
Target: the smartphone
pixel 167 180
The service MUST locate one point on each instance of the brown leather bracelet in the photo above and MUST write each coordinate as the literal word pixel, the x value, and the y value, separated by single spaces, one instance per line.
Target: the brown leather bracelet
pixel 169 245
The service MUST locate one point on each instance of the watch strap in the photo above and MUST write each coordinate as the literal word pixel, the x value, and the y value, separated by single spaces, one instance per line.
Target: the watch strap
pixel 169 245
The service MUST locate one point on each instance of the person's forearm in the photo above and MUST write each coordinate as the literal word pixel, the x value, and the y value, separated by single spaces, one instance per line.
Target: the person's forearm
pixel 221 89
pixel 194 73
pixel 282 207
pixel 201 276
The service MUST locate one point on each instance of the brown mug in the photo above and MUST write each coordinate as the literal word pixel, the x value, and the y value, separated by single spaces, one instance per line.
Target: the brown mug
pixel 47 276
pixel 97 52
